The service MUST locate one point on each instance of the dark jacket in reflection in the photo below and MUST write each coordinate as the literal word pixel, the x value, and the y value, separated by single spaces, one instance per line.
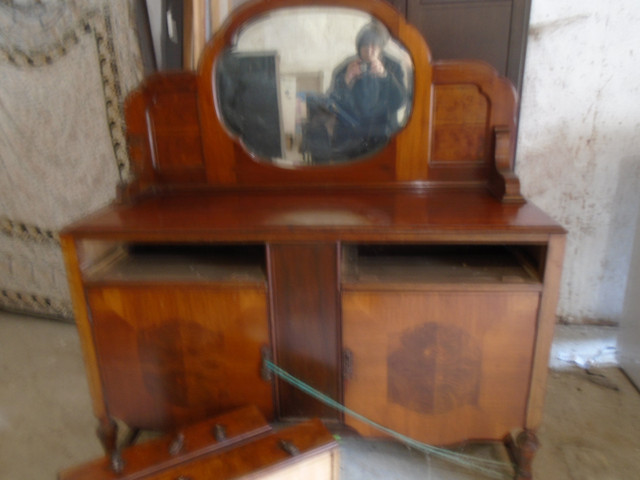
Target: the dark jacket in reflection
pixel 367 112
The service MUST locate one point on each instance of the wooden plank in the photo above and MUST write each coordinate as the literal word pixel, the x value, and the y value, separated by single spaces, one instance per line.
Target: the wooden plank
pixel 83 324
pixel 546 325
pixel 312 214
pixel 304 285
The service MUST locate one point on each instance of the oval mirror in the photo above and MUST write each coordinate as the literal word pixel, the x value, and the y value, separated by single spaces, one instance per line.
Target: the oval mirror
pixel 305 86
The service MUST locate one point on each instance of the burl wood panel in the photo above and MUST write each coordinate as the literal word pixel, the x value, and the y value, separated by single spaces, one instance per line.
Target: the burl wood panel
pixel 441 367
pixel 176 353
pixel 460 130
pixel 304 283
pixel 500 126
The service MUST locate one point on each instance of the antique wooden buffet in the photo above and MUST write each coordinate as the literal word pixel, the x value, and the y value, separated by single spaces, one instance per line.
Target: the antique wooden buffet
pixel 414 285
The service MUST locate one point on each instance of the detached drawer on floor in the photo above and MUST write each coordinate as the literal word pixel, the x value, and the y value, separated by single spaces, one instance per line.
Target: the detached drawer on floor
pixel 236 446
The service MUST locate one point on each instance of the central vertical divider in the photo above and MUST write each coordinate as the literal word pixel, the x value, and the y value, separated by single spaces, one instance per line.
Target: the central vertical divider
pixel 303 281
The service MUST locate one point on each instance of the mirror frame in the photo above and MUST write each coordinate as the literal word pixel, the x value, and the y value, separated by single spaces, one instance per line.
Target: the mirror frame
pixel 280 119
pixel 404 158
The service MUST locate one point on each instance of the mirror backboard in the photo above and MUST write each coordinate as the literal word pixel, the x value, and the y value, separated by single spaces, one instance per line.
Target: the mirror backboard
pixel 313 86
pixel 263 108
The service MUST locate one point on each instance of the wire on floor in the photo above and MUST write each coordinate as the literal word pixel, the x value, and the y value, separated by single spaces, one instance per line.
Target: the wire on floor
pixel 491 468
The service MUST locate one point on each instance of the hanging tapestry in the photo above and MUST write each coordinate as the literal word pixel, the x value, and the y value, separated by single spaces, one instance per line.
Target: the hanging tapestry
pixel 65 67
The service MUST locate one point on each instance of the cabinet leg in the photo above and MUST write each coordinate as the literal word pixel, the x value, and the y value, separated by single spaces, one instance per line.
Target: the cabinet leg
pixel 522 449
pixel 108 435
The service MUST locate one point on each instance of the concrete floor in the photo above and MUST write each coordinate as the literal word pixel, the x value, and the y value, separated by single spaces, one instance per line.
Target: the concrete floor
pixel 591 429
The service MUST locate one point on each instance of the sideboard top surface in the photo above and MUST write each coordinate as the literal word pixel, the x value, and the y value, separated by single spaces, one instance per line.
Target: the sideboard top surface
pixel 333 215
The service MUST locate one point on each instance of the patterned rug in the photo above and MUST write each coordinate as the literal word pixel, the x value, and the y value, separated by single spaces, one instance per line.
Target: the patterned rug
pixel 65 67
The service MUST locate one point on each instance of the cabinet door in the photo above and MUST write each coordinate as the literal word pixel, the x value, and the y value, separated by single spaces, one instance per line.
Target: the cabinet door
pixel 439 366
pixel 171 354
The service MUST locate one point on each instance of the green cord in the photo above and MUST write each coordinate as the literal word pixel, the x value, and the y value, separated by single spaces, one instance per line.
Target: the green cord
pixel 492 468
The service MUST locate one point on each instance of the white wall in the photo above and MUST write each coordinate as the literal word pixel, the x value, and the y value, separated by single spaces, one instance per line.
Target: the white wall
pixel 579 142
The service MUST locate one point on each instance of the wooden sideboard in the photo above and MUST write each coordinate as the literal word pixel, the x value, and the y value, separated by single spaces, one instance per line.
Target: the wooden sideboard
pixel 416 286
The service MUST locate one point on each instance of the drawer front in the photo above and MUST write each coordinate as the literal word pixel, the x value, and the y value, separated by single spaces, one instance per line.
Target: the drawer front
pixel 207 438
pixel 305 451
pixel 172 354
pixel 323 466
pixel 440 367
pixel 252 451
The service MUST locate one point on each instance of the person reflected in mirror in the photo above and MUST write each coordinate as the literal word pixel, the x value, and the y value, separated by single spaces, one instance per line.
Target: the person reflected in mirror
pixel 366 94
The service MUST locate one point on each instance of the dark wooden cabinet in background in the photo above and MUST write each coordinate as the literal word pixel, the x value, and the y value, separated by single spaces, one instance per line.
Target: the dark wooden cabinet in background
pixel 491 30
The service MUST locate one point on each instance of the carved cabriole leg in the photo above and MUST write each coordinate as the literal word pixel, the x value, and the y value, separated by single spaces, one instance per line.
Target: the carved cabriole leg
pixel 108 434
pixel 522 449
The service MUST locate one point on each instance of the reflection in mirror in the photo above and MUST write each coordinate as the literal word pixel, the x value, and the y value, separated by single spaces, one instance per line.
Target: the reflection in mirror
pixel 314 86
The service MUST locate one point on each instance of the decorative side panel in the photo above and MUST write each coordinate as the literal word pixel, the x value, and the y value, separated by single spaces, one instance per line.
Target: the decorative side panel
pixel 163 133
pixel 461 79
pixel 176 132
